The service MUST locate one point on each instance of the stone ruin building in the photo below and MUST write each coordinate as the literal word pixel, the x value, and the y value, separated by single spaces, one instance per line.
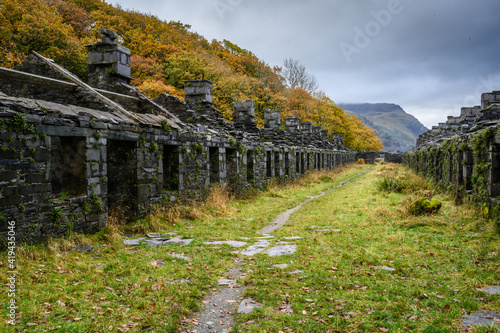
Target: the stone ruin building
pixel 71 151
pixel 463 154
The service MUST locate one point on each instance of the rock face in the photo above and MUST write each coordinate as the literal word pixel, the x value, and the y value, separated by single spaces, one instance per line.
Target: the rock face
pixel 396 129
pixel 72 153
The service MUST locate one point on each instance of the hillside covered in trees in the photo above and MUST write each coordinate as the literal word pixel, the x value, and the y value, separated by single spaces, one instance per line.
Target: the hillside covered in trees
pixel 164 54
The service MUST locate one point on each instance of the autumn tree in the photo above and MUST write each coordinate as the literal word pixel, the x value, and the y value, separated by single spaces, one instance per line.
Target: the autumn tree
pixel 296 76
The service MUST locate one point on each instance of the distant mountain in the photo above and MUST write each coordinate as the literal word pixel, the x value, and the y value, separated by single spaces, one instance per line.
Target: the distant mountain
pixel 397 129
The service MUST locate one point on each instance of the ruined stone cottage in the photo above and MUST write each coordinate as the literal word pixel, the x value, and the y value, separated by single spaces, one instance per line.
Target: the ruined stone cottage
pixel 462 155
pixel 71 152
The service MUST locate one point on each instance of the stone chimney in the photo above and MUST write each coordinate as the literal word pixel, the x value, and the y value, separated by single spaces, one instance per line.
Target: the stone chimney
pixel 272 119
pixel 489 98
pixel 198 94
pixel 292 123
pixel 316 129
pixel 244 115
pixel 324 133
pixel 306 127
pixel 470 111
pixel 109 62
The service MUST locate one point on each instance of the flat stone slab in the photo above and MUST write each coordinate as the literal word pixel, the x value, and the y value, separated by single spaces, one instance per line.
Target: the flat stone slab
pixel 230 243
pixel 282 266
pixel 316 228
pixel 187 241
pixel 175 240
pixel 281 250
pixel 153 235
pixel 385 268
pixel 179 256
pixel 87 248
pixel 327 230
pixel 255 248
pixel 482 318
pixel 155 242
pixel 226 282
pixel 494 290
pixel 134 242
pixel 265 237
pixel 248 305
pixel 292 238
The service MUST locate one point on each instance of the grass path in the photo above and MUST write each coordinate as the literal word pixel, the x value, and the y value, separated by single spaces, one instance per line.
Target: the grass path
pixel 332 282
pixel 384 271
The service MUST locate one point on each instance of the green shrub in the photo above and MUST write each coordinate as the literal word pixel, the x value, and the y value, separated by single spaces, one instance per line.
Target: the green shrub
pixel 425 206
pixel 391 185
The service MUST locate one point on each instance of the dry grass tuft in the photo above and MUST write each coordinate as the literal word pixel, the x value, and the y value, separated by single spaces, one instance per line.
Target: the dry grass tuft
pixel 217 203
pixel 218 200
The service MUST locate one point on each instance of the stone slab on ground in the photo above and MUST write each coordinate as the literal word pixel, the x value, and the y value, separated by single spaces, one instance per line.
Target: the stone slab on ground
pixel 175 240
pixel 134 242
pixel 493 290
pixel 87 248
pixel 187 241
pixel 248 305
pixel 179 256
pixel 226 282
pixel 230 243
pixel 282 266
pixel 265 237
pixel 155 242
pixel 281 250
pixel 482 318
pixel 292 238
pixel 385 268
pixel 255 248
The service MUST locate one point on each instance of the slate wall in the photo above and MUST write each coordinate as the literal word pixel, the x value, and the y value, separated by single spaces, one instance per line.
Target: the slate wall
pixel 463 155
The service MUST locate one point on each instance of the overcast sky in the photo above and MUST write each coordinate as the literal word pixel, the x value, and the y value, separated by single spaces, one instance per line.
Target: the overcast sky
pixel 431 57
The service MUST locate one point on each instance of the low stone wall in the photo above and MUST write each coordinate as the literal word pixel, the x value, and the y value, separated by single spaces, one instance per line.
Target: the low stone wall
pixel 463 155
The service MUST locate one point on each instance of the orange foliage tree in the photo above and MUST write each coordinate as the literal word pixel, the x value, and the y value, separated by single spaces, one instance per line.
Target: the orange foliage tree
pixel 164 55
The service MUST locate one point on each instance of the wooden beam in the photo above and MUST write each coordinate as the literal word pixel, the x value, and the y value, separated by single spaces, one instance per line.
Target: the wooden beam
pixel 13 75
pixel 70 76
pixel 46 82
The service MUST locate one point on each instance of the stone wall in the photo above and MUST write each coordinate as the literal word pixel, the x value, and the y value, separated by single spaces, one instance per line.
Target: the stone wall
pixel 66 164
pixel 463 154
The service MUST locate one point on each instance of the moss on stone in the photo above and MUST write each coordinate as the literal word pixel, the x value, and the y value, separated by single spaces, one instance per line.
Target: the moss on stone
pixel 425 206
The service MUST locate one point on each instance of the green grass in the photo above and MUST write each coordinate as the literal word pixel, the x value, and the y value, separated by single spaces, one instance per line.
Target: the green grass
pixel 438 266
pixel 440 261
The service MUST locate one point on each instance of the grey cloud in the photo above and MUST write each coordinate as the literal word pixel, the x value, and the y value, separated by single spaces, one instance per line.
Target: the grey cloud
pixel 430 57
